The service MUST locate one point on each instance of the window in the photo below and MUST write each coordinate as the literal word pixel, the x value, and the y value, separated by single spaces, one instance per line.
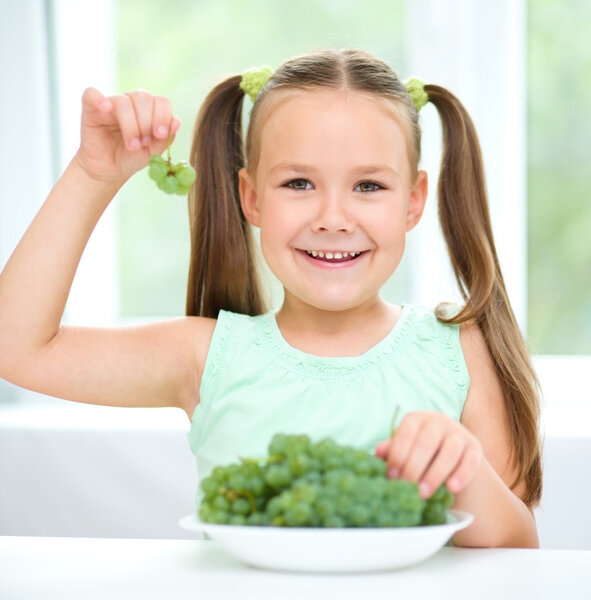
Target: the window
pixel 559 155
pixel 496 57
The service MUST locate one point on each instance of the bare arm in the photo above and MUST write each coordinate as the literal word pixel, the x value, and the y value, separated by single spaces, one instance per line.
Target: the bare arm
pixel 501 517
pixel 155 365
pixel 472 457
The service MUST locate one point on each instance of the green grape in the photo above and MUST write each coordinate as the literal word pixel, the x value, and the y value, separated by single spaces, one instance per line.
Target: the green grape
pixel 157 172
pixel 156 159
pixel 434 514
pixel 322 484
pixel 274 507
pixel 278 444
pixel 334 521
pixel 240 506
pixel 170 177
pixel 182 190
pixel 258 518
pixel 360 515
pixel 221 503
pixel 237 520
pixel 435 511
pixel 210 488
pixel 278 476
pixel 237 481
pixel 219 474
pixel 185 173
pixel 169 184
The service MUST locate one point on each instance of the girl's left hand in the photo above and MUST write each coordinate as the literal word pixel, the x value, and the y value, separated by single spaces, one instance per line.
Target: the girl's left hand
pixel 430 449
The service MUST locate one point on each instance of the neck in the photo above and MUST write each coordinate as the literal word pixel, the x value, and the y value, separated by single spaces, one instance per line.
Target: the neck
pixel 347 332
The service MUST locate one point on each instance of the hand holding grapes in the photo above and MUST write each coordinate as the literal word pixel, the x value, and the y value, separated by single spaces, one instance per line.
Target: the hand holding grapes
pixel 120 133
pixel 430 449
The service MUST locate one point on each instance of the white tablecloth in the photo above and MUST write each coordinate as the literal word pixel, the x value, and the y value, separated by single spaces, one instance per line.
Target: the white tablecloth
pixel 83 568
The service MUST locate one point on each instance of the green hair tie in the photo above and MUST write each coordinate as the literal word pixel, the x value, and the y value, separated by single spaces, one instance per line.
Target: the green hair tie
pixel 416 89
pixel 253 80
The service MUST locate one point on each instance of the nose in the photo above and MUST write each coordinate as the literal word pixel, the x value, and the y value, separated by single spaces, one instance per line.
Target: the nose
pixel 333 216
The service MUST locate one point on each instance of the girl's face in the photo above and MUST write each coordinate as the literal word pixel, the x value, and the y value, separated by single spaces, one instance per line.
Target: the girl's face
pixel 333 197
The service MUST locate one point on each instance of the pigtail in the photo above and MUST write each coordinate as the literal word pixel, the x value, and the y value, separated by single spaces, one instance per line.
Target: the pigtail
pixel 465 221
pixel 222 271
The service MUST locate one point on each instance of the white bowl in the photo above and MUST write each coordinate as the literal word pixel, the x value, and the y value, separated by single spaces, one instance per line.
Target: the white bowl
pixel 331 550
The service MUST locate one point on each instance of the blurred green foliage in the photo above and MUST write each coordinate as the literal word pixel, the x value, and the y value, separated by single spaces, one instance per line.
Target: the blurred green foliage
pixel 559 176
pixel 181 49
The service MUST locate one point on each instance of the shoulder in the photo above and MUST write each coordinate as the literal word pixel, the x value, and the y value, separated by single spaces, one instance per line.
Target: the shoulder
pixel 208 341
pixel 199 332
pixel 485 411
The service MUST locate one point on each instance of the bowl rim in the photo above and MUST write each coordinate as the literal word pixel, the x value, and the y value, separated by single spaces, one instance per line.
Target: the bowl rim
pixel 460 520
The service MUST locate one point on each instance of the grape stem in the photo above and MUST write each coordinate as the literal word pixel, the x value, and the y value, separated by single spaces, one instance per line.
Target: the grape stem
pixel 393 423
pixel 233 494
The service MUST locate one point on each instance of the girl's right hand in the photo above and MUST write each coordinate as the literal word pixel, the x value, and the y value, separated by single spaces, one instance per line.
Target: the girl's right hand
pixel 120 133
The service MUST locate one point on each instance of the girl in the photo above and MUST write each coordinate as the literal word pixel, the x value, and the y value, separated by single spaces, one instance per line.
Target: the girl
pixel 331 179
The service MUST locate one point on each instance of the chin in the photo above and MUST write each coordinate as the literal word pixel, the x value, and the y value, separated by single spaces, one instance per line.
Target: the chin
pixel 338 304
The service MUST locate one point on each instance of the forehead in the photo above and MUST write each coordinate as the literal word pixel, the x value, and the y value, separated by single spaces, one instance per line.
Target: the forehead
pixel 327 125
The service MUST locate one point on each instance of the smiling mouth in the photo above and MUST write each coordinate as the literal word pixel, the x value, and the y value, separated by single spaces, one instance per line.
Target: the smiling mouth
pixel 334 256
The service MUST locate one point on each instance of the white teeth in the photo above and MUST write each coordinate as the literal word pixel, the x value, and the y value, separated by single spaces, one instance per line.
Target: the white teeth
pixel 332 255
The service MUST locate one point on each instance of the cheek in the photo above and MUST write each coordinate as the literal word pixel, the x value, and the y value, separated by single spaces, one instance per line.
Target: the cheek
pixel 275 233
pixel 388 228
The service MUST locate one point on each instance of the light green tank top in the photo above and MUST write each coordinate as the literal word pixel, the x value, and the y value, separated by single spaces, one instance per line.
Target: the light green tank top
pixel 255 384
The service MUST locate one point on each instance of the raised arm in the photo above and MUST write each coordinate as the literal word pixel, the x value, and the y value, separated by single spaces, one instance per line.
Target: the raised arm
pixel 153 365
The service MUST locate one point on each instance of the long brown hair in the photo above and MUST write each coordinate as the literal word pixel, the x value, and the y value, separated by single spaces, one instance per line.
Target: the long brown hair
pixel 223 272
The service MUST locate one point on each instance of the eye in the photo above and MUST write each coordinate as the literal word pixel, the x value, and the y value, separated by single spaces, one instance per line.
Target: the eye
pixel 299 184
pixel 369 186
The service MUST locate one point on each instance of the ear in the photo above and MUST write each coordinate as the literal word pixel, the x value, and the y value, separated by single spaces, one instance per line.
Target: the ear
pixel 417 199
pixel 248 198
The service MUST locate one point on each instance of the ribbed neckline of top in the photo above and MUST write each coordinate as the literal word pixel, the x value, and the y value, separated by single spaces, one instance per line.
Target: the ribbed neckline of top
pixel 327 367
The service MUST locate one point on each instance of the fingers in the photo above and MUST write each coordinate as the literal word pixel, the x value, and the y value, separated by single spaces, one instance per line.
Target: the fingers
pixel 436 473
pixel 93 100
pixel 431 449
pixel 145 120
pixel 466 470
pixel 162 118
pixel 143 106
pixel 402 444
pixel 382 449
pixel 128 122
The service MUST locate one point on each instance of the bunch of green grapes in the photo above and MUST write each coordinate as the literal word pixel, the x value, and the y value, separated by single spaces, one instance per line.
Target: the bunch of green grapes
pixel 435 511
pixel 323 484
pixel 172 178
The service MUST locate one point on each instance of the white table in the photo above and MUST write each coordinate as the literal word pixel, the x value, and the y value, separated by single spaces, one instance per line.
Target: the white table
pixel 88 568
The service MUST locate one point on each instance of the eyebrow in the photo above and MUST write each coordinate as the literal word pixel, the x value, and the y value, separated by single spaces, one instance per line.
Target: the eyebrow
pixel 361 169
